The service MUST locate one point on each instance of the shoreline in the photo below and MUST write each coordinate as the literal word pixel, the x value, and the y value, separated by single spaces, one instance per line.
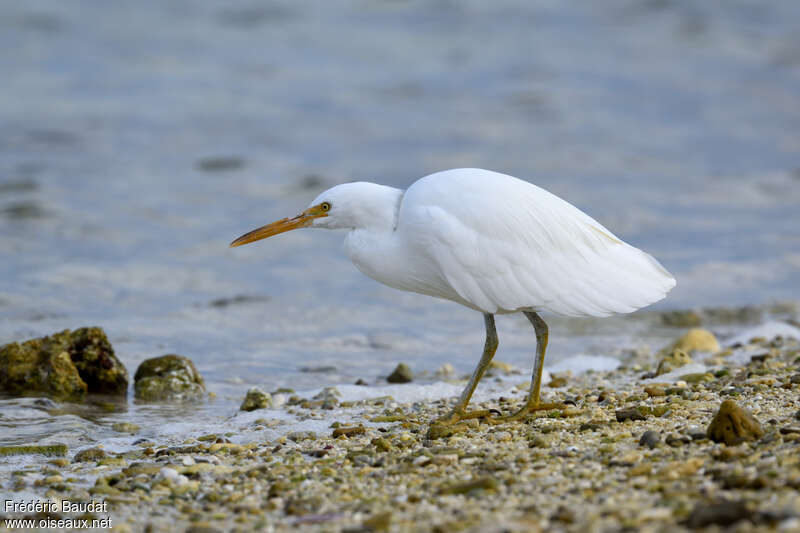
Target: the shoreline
pixel 584 466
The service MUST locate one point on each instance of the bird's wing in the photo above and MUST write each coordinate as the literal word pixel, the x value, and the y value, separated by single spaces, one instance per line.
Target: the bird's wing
pixel 504 244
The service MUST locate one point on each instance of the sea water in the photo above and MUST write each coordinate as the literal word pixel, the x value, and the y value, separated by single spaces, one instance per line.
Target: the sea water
pixel 137 140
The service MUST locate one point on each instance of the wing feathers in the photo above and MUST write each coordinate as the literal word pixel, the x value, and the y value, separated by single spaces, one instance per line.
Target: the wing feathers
pixel 504 245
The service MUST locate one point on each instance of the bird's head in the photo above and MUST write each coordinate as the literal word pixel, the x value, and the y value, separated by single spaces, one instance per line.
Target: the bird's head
pixel 346 206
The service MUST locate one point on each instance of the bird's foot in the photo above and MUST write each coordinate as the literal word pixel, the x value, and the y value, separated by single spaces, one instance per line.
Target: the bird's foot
pixel 457 415
pixel 524 412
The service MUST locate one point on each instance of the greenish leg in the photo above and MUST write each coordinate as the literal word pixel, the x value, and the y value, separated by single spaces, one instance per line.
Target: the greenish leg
pixel 459 412
pixel 532 403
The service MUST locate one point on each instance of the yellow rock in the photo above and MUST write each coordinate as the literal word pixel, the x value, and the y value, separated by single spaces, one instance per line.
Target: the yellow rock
pixel 501 366
pixel 696 339
pixel 733 424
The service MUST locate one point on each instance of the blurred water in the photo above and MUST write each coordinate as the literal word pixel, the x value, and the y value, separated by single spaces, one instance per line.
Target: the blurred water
pixel 136 140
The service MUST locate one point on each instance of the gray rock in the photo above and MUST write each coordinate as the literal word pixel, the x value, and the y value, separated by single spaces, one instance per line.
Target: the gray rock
pixel 629 413
pixel 401 374
pixel 256 399
pixel 89 455
pixel 168 378
pixel 650 439
pixel 724 513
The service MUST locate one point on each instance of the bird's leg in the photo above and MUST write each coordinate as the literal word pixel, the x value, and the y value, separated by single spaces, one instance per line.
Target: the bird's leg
pixel 532 402
pixel 459 412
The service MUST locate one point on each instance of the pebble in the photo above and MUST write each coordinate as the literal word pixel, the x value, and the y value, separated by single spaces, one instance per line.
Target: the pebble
pixel 629 413
pixel 125 427
pixel 551 472
pixel 725 513
pixel 256 399
pixel 654 391
pixel 348 431
pixel 445 371
pixel 675 358
pixel 89 454
pixel 650 438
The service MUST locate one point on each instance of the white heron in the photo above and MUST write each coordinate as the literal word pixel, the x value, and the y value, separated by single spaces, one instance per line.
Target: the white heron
pixel 491 242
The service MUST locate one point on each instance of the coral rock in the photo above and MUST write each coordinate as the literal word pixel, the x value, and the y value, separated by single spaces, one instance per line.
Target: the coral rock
pixel 168 378
pixel 733 425
pixel 256 399
pixel 401 374
pixel 695 340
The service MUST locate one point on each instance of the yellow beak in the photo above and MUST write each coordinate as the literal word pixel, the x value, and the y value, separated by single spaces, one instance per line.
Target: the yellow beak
pixel 302 220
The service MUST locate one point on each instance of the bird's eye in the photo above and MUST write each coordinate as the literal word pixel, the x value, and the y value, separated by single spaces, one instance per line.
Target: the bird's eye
pixel 325 206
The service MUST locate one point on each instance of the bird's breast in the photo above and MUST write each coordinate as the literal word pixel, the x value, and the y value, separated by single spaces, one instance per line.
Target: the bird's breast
pixel 389 258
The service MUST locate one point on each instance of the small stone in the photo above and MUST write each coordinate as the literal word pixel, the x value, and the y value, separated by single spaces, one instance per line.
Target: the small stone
pixel 654 391
pixel 256 399
pixel 89 455
pixel 278 399
pixel 557 381
pixel 168 378
pixel 349 431
pixel 446 370
pixel 564 515
pixel 501 366
pixel 629 413
pixel 591 425
pixel 328 394
pixel 627 459
pixel 675 440
pixel 676 358
pixel 650 439
pixel 382 444
pixel 298 436
pixel 733 424
pixel 724 513
pixel 697 377
pixel 125 427
pixel 401 374
pixel 379 521
pixel 538 441
pixel 696 433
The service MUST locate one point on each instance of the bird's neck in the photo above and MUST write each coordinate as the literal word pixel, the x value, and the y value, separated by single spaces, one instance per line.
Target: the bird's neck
pixel 376 252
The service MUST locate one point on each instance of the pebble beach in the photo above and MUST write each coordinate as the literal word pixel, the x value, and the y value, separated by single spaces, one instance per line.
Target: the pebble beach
pixel 160 381
pixel 697 435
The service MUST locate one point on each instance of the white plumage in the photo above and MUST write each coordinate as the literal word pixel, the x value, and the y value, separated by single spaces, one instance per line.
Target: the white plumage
pixel 496 244
pixel 489 241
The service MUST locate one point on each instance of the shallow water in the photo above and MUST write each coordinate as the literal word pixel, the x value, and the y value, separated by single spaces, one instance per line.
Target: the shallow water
pixel 136 142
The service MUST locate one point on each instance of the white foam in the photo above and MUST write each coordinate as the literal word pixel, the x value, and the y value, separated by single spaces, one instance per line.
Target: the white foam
pixel 579 364
pixel 769 330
